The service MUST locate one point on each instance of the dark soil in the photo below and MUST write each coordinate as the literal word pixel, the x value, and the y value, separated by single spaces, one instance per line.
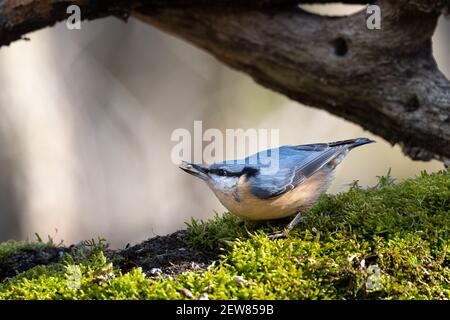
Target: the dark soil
pixel 169 254
pixel 25 259
pixel 162 255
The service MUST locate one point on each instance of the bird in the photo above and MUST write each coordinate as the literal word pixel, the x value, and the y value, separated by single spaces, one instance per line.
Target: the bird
pixel 254 188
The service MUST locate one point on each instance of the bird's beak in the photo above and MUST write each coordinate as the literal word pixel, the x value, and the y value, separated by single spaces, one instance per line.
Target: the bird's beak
pixel 195 170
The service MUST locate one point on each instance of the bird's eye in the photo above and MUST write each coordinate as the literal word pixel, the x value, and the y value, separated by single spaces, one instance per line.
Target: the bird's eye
pixel 221 172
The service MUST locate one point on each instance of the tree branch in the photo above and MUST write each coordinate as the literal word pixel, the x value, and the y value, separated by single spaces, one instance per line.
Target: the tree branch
pixel 386 81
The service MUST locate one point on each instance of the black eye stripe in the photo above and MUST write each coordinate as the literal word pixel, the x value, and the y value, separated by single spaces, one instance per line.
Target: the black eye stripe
pixel 220 172
pixel 224 173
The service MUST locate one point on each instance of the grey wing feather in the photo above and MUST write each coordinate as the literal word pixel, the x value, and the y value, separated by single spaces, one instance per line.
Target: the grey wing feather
pixel 295 171
pixel 307 169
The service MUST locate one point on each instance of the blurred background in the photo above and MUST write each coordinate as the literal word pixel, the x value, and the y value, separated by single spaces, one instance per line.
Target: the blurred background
pixel 87 118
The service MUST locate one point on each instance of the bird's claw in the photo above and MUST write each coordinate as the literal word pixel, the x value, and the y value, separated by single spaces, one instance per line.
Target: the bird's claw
pixel 282 234
pixel 278 235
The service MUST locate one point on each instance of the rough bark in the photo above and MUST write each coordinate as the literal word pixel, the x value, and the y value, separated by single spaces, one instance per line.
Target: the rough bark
pixel 386 81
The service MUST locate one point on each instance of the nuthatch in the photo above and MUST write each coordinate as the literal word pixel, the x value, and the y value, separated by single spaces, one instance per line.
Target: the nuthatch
pixel 254 189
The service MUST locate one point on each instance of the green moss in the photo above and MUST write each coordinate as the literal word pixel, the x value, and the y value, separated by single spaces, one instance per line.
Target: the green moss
pixel 386 242
pixel 219 231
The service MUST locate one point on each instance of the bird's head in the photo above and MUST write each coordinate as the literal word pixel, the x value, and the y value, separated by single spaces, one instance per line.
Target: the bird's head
pixel 219 176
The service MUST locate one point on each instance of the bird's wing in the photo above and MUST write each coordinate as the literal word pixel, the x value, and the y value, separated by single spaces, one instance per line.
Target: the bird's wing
pixel 296 164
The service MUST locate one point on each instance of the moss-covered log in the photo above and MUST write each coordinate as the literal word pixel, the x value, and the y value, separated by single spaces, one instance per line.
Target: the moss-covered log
pixel 388 241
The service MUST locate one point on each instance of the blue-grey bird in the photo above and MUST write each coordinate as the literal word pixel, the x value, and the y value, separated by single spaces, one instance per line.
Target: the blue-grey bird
pixel 255 189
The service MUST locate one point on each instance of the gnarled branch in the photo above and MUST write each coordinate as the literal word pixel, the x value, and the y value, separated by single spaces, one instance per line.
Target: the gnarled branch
pixel 385 80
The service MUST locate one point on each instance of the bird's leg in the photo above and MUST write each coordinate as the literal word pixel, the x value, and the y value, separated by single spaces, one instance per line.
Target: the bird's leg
pixel 297 219
pixel 281 234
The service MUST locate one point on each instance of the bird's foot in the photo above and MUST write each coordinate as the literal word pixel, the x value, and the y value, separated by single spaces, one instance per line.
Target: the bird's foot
pixel 278 235
pixel 282 234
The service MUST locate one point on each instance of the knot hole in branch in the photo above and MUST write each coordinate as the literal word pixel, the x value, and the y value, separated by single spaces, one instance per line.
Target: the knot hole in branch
pixel 340 47
pixel 412 104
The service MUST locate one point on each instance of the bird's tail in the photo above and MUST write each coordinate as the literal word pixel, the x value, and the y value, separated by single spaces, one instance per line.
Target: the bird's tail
pixel 352 143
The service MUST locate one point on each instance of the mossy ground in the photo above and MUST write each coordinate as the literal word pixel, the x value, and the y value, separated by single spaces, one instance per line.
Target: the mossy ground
pixel 386 242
